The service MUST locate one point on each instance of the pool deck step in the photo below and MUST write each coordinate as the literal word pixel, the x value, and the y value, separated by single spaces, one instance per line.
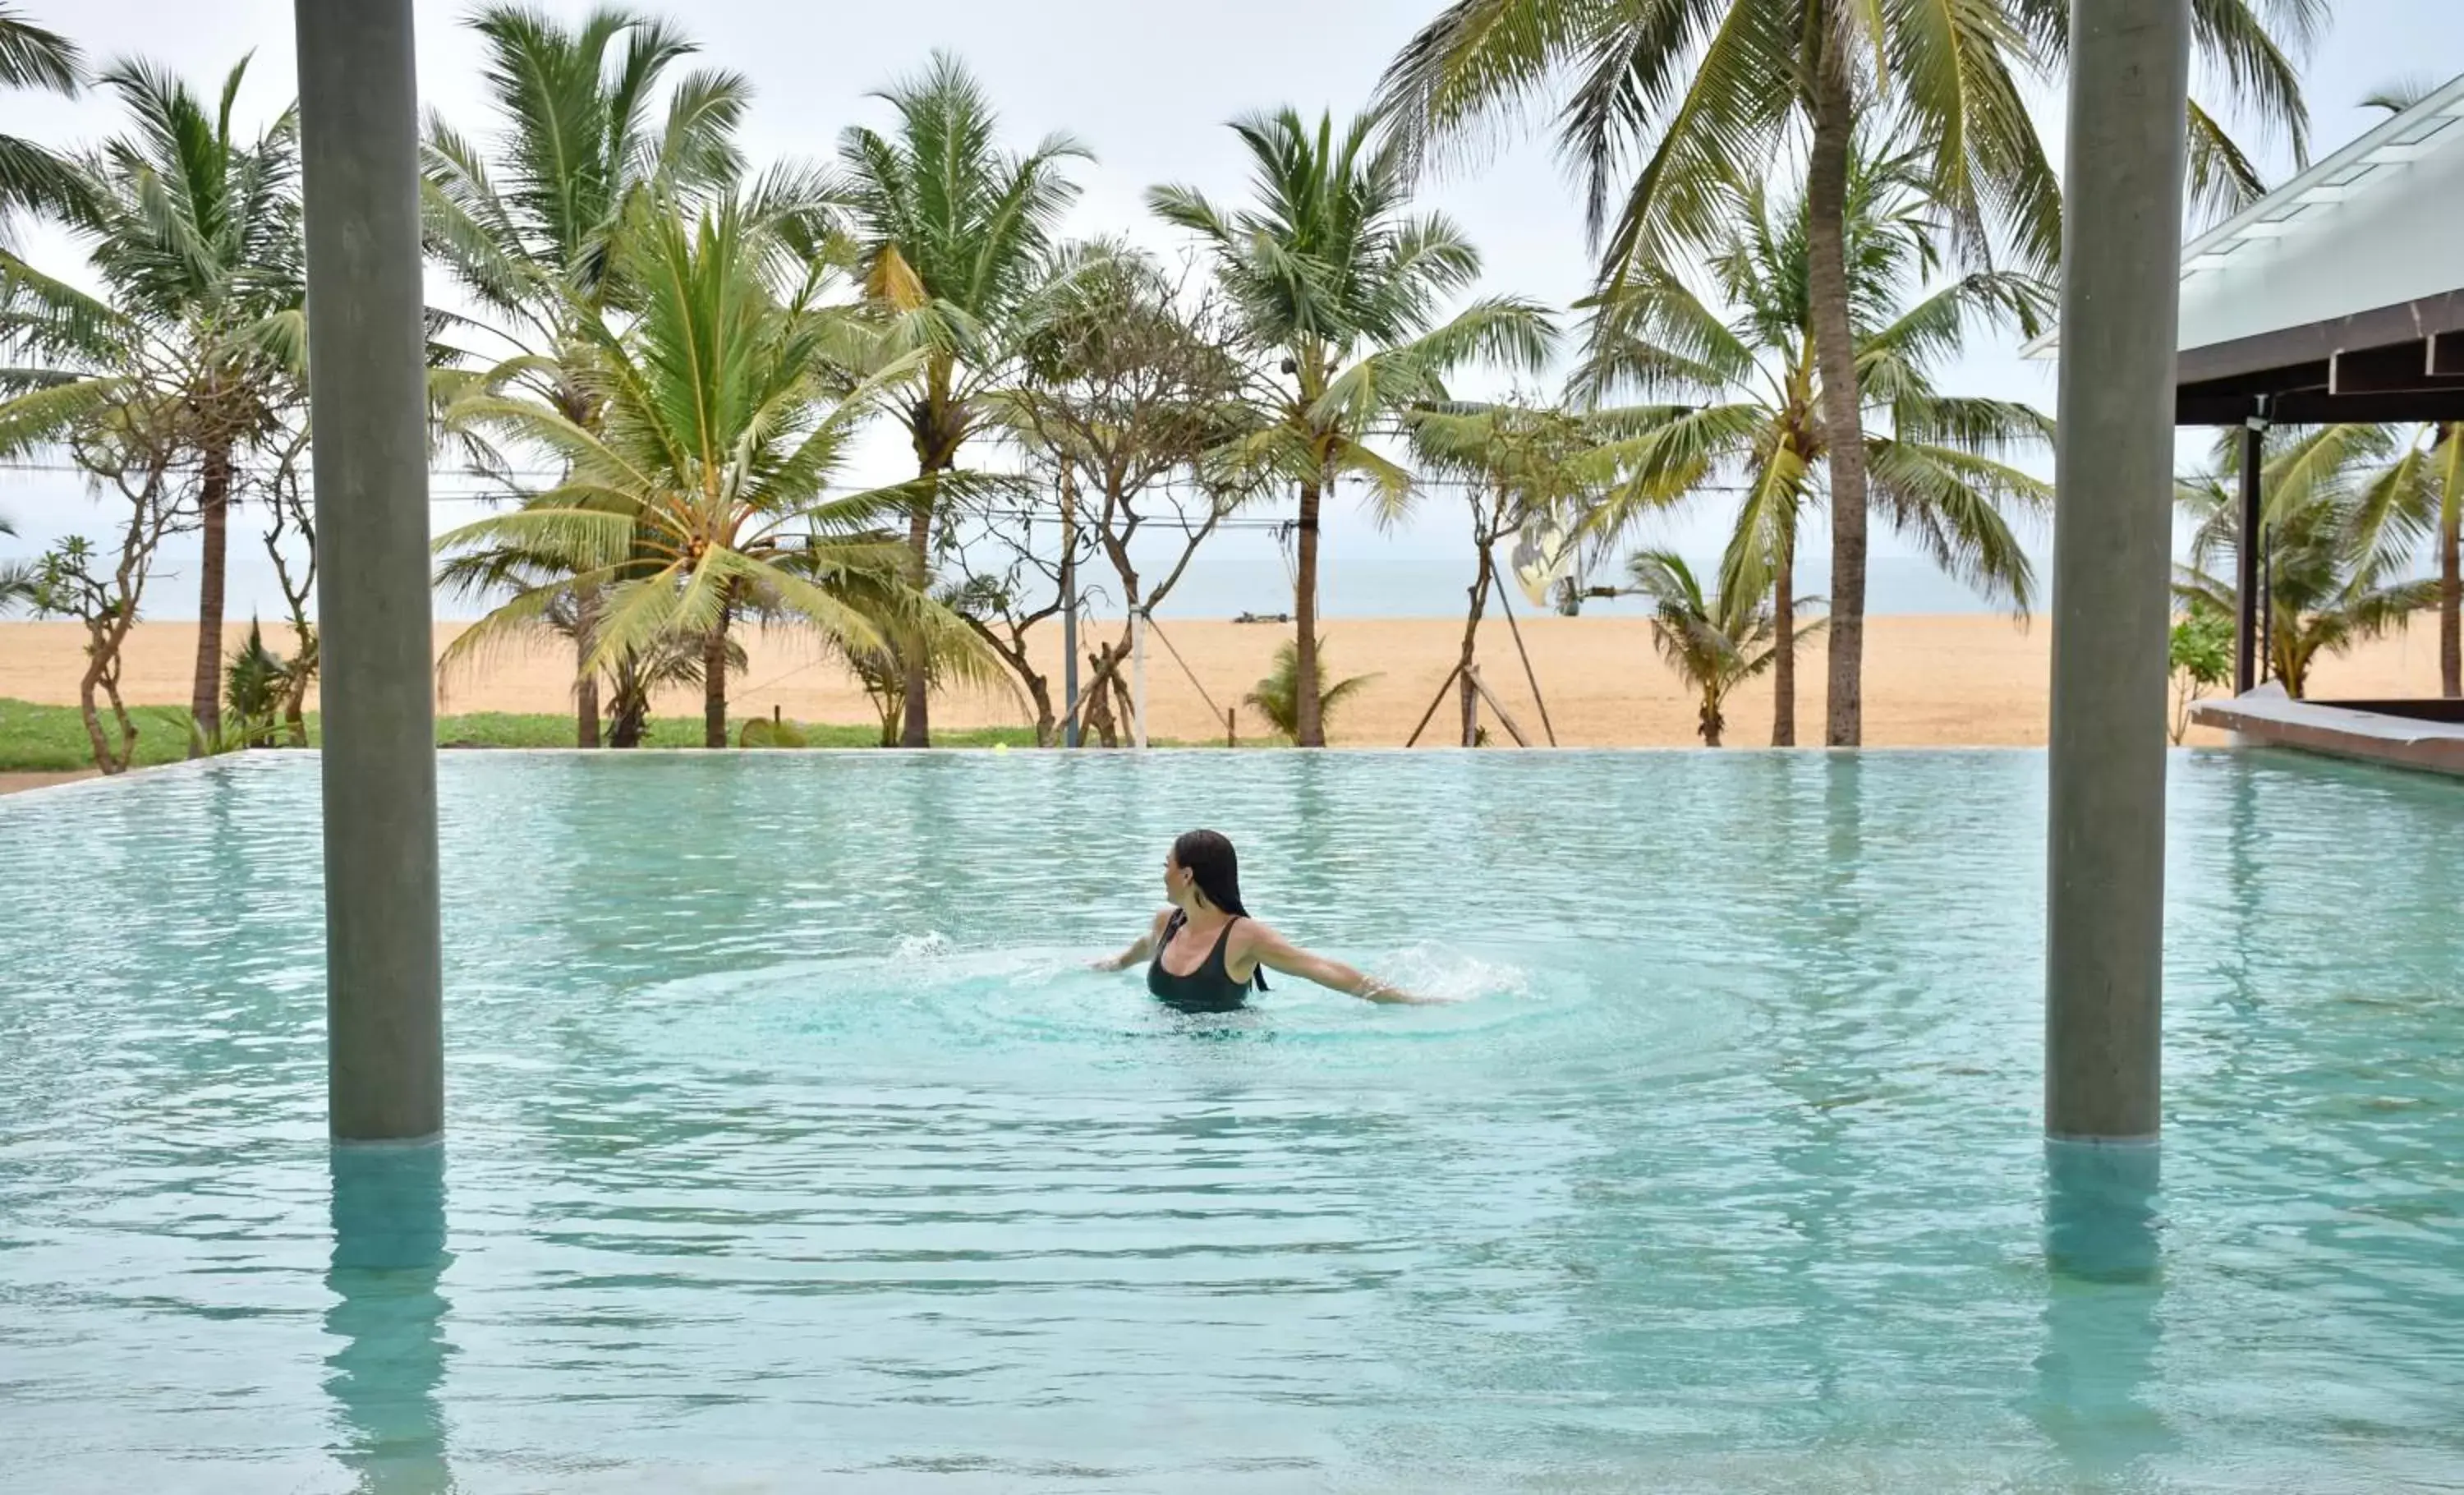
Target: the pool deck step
pixel 2372 732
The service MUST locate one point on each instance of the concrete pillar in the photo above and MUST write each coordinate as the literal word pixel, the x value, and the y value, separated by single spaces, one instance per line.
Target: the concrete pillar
pixel 368 403
pixel 2121 257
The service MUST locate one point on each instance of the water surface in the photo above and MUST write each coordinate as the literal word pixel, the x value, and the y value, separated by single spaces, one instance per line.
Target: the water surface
pixel 792 1145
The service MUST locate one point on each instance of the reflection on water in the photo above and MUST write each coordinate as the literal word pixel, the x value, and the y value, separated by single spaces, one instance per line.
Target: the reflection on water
pixel 388 1253
pixel 2105 1286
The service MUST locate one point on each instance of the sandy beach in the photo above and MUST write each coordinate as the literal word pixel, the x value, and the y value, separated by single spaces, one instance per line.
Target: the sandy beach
pixel 1931 681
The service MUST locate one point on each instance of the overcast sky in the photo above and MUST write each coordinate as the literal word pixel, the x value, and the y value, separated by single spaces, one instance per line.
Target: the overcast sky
pixel 1147 86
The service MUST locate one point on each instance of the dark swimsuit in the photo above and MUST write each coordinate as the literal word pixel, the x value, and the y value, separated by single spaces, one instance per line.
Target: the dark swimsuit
pixel 1210 988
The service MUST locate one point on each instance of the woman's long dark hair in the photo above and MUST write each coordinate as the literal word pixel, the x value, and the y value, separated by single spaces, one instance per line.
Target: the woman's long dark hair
pixel 1208 857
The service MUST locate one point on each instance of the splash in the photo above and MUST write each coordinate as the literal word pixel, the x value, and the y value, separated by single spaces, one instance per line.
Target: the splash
pixel 931 945
pixel 929 1005
pixel 1454 975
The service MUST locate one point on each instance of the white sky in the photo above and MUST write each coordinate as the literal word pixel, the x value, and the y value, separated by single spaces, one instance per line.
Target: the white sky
pixel 1146 85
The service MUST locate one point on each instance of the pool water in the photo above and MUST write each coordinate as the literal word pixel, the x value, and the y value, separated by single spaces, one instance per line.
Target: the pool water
pixel 793 1147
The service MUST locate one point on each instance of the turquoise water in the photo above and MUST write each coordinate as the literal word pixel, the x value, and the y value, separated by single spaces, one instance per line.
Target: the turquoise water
pixel 793 1149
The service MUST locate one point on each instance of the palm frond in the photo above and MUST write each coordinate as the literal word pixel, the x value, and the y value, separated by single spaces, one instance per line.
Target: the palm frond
pixel 1952 505
pixel 34 56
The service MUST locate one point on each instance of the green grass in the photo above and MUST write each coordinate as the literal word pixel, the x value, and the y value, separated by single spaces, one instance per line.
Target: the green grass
pixel 52 738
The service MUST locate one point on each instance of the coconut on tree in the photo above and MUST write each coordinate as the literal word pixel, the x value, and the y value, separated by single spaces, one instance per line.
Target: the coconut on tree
pixel 1343 294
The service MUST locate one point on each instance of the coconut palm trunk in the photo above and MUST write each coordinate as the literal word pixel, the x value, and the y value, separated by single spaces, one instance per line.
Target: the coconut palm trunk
pixel 915 682
pixel 1308 727
pixel 713 686
pixel 2451 584
pixel 585 688
pixel 1784 648
pixel 1835 351
pixel 585 707
pixel 2450 607
pixel 213 521
pixel 1471 636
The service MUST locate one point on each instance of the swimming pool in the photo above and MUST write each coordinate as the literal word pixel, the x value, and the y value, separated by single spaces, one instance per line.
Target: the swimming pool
pixel 791 1147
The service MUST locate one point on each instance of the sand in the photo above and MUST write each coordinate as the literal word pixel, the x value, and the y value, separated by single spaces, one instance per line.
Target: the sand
pixel 12 784
pixel 1929 681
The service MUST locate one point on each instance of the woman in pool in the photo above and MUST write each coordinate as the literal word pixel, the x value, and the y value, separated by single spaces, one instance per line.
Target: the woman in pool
pixel 1205 952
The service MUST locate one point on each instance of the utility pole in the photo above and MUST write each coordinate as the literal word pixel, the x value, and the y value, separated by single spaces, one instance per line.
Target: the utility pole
pixel 1068 603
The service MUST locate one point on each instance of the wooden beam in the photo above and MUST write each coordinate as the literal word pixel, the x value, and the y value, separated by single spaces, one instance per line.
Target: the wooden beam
pixel 1499 707
pixel 2399 368
pixel 1425 717
pixel 2318 408
pixel 1528 674
pixel 2447 353
pixel 2312 342
pixel 2311 374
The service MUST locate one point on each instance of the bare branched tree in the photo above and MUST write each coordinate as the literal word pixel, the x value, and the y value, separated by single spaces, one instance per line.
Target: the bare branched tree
pixel 1134 403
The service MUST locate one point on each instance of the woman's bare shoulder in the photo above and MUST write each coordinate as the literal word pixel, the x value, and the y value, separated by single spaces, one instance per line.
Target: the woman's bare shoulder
pixel 1254 934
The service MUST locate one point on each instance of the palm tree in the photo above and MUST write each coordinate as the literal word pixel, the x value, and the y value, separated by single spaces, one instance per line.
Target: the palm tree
pixel 2416 493
pixel 1672 100
pixel 2419 495
pixel 703 496
pixel 2328 586
pixel 956 235
pixel 1342 289
pixel 195 236
pixel 1278 696
pixel 32 178
pixel 1938 475
pixel 1715 643
pixel 16 578
pixel 529 224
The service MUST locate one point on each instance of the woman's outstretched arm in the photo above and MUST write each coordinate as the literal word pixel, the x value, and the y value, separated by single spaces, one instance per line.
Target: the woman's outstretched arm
pixel 1277 954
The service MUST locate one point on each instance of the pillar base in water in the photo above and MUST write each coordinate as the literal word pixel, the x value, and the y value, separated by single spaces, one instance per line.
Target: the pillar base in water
pixel 2100 1199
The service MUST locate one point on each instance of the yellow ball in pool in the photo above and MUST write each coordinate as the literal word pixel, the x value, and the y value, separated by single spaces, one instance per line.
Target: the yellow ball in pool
pixel 1000 747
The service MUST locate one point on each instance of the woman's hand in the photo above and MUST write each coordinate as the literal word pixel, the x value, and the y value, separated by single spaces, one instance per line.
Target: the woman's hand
pixel 1144 948
pixel 1372 989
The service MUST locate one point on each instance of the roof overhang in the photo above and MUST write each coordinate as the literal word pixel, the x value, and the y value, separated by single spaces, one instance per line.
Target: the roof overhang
pixel 2340 296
